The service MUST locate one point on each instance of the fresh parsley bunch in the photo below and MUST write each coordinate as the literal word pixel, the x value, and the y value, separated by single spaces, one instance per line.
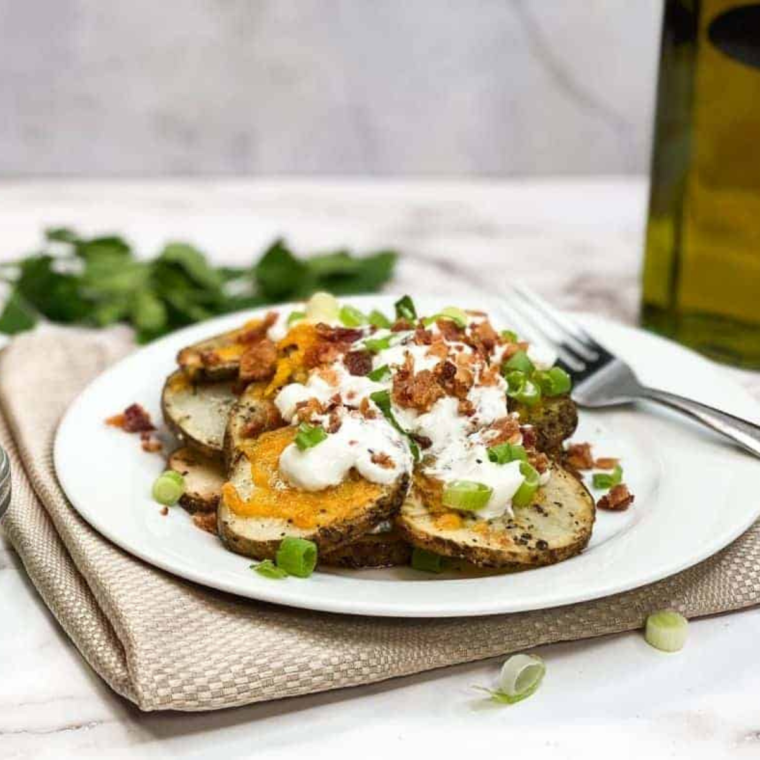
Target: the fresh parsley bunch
pixel 99 281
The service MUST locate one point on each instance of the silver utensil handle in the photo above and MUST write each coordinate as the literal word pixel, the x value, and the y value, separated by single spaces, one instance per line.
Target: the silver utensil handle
pixel 743 432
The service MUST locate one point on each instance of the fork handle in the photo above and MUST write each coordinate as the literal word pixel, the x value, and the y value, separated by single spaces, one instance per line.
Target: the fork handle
pixel 743 432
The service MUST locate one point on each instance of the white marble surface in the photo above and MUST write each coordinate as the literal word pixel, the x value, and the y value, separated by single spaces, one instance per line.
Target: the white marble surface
pixel 580 242
pixel 486 87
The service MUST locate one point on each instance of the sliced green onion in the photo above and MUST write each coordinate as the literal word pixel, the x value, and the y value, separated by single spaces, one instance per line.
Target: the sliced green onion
pixel 350 316
pixel 505 453
pixel 322 307
pixel 268 569
pixel 553 382
pixel 521 389
pixel 454 313
pixel 168 487
pixel 297 556
pixel 378 319
pixel 467 495
pixel 405 309
pixel 529 486
pixel 519 362
pixel 520 677
pixel 510 336
pixel 175 476
pixel 666 630
pixel 309 436
pixel 428 562
pixel 604 480
pixel 383 401
pixel 381 374
pixel 376 345
pixel 295 316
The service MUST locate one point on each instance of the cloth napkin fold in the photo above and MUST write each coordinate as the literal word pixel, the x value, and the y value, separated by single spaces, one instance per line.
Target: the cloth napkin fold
pixel 165 643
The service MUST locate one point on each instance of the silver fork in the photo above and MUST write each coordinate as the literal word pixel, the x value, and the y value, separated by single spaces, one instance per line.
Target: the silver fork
pixel 602 379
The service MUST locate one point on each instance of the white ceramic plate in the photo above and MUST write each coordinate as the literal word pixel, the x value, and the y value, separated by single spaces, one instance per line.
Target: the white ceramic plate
pixel 694 492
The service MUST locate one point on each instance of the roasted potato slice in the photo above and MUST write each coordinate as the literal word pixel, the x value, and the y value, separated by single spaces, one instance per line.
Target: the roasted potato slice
pixel 197 412
pixel 203 479
pixel 383 549
pixel 554 420
pixel 218 358
pixel 555 526
pixel 258 509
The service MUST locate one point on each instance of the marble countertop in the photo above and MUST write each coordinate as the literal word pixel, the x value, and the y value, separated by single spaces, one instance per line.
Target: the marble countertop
pixel 579 242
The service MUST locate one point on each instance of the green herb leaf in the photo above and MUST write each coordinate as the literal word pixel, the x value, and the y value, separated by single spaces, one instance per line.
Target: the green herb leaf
pixel 17 316
pixel 378 319
pixel 405 309
pixel 193 263
pixel 309 436
pixel 268 569
pixel 279 273
pixel 604 480
pixel 381 374
pixel 383 401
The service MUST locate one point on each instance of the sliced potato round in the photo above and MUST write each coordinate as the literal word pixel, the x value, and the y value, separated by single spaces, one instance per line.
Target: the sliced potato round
pixel 197 412
pixel 258 509
pixel 203 479
pixel 384 549
pixel 554 527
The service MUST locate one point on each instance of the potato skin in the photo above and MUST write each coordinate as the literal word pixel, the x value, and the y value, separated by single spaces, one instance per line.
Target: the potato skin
pixel 561 518
pixel 178 424
pixel 371 551
pixel 554 419
pixel 327 538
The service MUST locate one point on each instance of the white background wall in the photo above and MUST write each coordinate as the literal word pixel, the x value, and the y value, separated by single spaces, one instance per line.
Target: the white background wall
pixel 379 87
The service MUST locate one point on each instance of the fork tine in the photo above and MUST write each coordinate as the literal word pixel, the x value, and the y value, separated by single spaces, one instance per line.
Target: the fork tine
pixel 567 326
pixel 573 360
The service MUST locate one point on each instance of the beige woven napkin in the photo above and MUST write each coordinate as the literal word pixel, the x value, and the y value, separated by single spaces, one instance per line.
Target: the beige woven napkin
pixel 165 643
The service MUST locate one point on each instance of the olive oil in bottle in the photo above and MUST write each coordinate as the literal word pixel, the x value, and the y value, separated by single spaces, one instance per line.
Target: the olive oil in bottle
pixel 702 263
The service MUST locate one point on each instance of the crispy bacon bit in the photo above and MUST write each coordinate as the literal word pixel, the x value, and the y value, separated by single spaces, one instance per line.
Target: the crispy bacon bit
pixel 149 443
pixel 465 407
pixel 490 375
pixel 505 430
pixel 367 410
pixel 258 331
pixel 578 456
pixel 134 419
pixel 323 352
pixel 484 336
pixel 338 334
pixel 307 410
pixel 617 500
pixel 205 521
pixel 450 330
pixel 438 348
pixel 328 374
pixel 415 391
pixel 422 337
pixel 164 511
pixel 421 440
pixel 259 362
pixel 210 358
pixel 401 325
pixel 539 460
pixel 333 422
pixel 606 463
pixel 382 459
pixel 358 363
pixel 529 436
pixel 266 417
